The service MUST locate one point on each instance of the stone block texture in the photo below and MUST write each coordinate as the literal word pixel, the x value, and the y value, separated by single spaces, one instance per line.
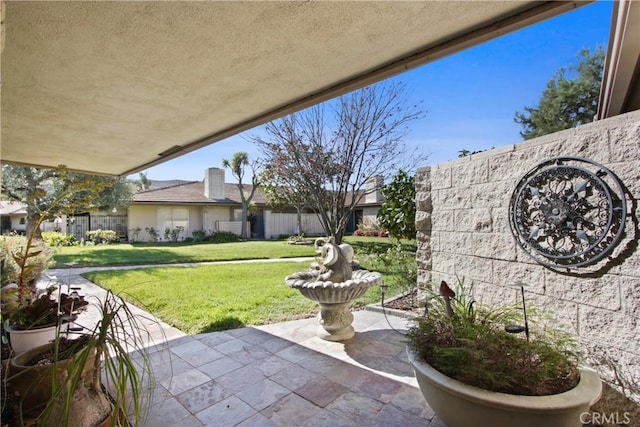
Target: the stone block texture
pixel 464 232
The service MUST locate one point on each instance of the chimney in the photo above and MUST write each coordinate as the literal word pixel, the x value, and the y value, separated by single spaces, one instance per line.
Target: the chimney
pixel 214 183
pixel 373 186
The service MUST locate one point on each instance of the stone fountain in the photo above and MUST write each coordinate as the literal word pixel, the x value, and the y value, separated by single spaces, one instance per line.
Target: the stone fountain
pixel 334 281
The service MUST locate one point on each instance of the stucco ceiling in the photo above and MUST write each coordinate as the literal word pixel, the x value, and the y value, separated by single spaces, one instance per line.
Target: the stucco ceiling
pixel 115 87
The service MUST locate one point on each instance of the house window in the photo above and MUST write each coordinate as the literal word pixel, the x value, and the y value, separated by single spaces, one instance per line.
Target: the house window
pixel 237 214
pixel 173 217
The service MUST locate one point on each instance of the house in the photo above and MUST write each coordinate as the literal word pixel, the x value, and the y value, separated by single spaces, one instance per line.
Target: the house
pixel 211 205
pixel 13 216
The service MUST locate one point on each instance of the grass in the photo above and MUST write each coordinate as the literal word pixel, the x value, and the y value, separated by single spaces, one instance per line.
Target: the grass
pixel 172 253
pixel 217 297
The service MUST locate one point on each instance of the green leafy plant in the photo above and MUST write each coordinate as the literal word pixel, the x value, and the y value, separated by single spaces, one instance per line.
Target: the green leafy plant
pixel 397 214
pixel 55 238
pixel 111 357
pixel 153 233
pixel 469 343
pixel 41 310
pixel 102 237
pixel 224 237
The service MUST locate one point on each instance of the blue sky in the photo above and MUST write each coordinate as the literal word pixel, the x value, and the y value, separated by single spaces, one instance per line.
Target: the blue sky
pixel 470 97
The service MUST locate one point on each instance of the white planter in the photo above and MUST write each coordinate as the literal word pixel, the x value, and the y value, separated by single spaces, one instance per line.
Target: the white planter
pixel 26 339
pixel 462 405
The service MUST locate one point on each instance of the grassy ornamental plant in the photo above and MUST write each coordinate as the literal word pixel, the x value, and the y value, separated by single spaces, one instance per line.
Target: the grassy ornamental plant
pixel 470 343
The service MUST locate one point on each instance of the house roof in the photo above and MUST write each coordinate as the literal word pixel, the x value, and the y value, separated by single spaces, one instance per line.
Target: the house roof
pixel 116 87
pixel 193 193
pixel 12 208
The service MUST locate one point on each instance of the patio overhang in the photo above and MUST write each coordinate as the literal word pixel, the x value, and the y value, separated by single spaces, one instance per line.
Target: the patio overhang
pixel 620 91
pixel 116 87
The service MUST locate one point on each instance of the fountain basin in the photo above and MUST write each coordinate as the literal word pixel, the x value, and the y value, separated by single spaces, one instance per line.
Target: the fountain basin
pixel 334 298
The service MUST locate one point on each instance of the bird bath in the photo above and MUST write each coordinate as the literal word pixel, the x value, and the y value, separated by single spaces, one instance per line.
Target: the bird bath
pixel 333 283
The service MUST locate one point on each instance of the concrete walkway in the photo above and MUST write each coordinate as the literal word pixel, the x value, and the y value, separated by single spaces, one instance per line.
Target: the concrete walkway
pixel 280 374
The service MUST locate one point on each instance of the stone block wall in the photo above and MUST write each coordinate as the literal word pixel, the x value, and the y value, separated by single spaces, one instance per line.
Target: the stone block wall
pixel 463 231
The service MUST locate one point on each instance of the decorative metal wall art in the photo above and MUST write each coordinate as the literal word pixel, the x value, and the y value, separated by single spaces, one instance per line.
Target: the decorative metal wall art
pixel 568 212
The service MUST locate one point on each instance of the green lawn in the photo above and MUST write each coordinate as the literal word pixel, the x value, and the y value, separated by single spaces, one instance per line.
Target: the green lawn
pixel 217 297
pixel 171 253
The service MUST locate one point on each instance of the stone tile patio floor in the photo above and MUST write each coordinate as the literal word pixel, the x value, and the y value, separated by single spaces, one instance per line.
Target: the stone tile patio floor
pixel 283 375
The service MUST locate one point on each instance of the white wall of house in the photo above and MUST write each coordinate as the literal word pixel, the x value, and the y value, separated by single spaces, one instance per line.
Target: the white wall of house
pixel 370 216
pixel 213 215
pixel 163 216
pixel 18 222
pixel 277 223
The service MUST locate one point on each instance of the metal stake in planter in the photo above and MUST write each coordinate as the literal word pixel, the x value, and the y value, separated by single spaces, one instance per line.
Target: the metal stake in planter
pixel 516 329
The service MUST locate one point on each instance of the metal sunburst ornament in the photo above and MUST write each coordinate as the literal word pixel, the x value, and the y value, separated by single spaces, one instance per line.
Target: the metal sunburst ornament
pixel 568 212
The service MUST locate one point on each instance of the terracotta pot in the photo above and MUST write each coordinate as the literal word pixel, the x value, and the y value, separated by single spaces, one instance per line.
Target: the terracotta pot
pixel 462 405
pixel 34 383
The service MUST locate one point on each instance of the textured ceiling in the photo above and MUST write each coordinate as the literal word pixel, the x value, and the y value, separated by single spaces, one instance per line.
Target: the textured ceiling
pixel 115 87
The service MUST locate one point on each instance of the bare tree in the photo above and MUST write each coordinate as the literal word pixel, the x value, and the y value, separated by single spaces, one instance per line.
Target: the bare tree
pixel 329 156
pixel 237 165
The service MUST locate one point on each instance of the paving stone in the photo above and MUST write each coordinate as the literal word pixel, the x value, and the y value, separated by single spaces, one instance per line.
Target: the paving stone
pixel 203 396
pixel 291 410
pixel 326 418
pixel 190 346
pixel 275 344
pixel 219 367
pixel 321 392
pixel 215 338
pixel 356 407
pixel 295 353
pixel 241 378
pixel 166 413
pixel 295 376
pixel 200 358
pixel 346 374
pixel 378 387
pixel 249 355
pixel 319 363
pixel 254 336
pixel 258 420
pixel 391 416
pixel 232 346
pixel 184 381
pixel 411 400
pixel 272 364
pixel 226 413
pixel 169 369
pixel 262 394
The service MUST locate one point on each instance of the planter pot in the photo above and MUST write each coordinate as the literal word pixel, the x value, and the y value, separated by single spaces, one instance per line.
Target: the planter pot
pixel 34 383
pixel 461 405
pixel 26 339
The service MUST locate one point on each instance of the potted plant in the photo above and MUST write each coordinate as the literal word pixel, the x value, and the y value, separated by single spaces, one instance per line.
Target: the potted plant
pixel 33 319
pixel 471 365
pixel 30 317
pixel 93 379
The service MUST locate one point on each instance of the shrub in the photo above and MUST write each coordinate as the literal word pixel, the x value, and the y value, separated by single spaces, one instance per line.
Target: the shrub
pixel 55 238
pixel 10 269
pixel 153 233
pixel 172 234
pixel 224 237
pixel 198 235
pixel 103 237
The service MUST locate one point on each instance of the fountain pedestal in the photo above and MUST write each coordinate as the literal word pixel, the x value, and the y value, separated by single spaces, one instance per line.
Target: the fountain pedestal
pixel 335 322
pixel 334 286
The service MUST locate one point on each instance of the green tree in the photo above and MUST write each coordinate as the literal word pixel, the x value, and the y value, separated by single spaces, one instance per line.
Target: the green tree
pixel 329 152
pixel 570 99
pixel 51 192
pixel 237 165
pixel 398 211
